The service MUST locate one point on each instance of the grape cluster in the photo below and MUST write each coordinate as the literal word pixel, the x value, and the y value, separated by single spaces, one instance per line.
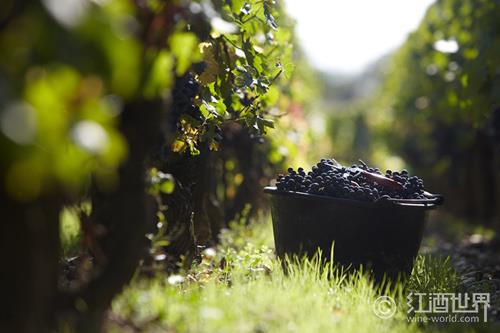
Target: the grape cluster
pixel 185 90
pixel 183 104
pixel 329 179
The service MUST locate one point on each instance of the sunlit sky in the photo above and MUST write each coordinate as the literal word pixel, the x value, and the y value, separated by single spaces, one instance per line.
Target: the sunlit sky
pixel 347 35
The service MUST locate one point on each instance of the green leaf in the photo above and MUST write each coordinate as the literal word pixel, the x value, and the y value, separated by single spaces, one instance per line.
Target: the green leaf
pixel 236 5
pixel 184 46
pixel 244 79
pixel 269 18
pixel 464 80
pixel 220 107
pixel 161 182
pixel 245 9
pixel 288 69
pixel 272 95
pixel 268 123
pixel 204 111
pixel 192 148
pixel 162 243
pixel 178 146
pixel 207 109
pixel 258 63
pixel 212 66
pixel 249 52
pixel 160 77
pixel 167 186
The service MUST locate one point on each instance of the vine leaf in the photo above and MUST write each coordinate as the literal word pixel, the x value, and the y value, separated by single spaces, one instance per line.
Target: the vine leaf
pixel 159 77
pixel 178 146
pixel 244 79
pixel 192 148
pixel 207 110
pixel 249 52
pixel 266 122
pixel 212 69
pixel 184 46
pixel 269 17
pixel 245 10
pixel 288 69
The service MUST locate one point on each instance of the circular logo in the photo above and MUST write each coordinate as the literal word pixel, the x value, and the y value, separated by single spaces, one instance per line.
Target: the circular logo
pixel 384 307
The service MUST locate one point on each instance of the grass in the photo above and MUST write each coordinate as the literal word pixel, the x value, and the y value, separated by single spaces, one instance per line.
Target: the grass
pixel 241 287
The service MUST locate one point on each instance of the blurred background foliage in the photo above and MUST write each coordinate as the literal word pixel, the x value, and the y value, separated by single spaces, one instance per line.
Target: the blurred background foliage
pixel 432 106
pixel 68 68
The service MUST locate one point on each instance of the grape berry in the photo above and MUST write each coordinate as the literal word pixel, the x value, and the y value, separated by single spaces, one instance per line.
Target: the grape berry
pixel 329 179
pixel 185 90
